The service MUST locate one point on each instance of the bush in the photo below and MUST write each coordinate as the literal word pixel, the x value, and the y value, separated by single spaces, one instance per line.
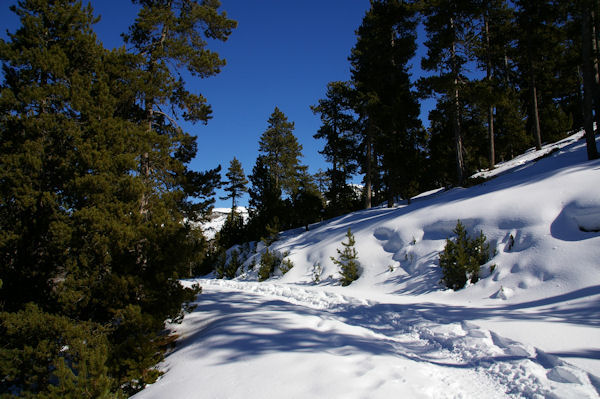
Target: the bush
pixel 317 272
pixel 348 261
pixel 268 261
pixel 461 259
pixel 286 266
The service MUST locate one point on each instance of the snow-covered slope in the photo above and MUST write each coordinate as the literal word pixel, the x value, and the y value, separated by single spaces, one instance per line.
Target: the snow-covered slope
pixel 217 219
pixel 528 328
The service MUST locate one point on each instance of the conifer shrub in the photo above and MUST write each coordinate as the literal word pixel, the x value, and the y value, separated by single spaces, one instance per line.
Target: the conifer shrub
pixel 269 260
pixel 348 261
pixel 286 266
pixel 317 272
pixel 462 258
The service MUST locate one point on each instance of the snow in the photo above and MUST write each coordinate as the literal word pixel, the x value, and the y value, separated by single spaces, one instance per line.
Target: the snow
pixel 528 328
pixel 217 219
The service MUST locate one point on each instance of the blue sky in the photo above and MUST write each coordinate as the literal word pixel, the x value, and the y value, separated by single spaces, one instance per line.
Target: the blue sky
pixel 283 53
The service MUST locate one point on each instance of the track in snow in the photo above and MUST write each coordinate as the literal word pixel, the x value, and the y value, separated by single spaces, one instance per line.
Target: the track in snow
pixel 251 340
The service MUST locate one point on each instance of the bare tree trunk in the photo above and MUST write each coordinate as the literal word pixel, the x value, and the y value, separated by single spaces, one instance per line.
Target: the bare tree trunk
pixel 588 81
pixel 595 23
pixel 369 170
pixel 460 167
pixel 490 107
pixel 535 113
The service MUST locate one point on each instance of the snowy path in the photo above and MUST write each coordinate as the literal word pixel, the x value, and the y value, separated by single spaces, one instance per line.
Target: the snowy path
pixel 266 340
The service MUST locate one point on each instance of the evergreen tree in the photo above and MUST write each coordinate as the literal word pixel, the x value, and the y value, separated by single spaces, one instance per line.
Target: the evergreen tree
pixel 266 204
pixel 169 33
pixel 84 235
pixel 541 61
pixel 339 131
pixel 379 64
pixel 590 86
pixel 281 151
pixel 494 49
pixel 307 202
pixel 348 260
pixel 236 183
pixel 449 26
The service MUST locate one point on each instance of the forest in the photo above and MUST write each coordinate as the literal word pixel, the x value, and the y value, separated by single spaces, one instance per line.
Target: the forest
pixel 98 203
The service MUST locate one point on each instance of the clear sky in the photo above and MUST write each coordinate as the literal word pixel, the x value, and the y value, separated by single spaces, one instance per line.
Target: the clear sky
pixel 283 53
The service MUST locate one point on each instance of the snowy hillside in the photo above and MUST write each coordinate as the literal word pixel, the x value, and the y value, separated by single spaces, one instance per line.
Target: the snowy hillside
pixel 217 218
pixel 529 328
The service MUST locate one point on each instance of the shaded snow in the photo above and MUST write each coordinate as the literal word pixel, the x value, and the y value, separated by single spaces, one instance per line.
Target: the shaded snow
pixel 528 328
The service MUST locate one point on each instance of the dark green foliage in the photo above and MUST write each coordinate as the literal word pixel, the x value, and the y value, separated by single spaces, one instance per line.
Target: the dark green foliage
pixel 462 258
pixel 236 183
pixel 348 260
pixel 266 205
pixel 281 151
pixel 233 264
pixel 339 130
pixel 269 260
pixel 307 202
pixel 383 99
pixel 52 356
pixel 548 67
pixel 286 266
pixel 233 231
pixel 93 201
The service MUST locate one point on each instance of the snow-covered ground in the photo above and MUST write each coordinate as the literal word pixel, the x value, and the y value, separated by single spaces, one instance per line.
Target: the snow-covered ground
pixel 529 328
pixel 217 219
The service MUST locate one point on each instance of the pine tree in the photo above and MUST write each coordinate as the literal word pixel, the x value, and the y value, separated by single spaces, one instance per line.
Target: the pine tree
pixel 339 131
pixel 543 62
pixel 589 82
pixel 85 235
pixel 307 202
pixel 449 27
pixel 379 64
pixel 281 151
pixel 236 183
pixel 266 205
pixel 167 33
pixel 348 260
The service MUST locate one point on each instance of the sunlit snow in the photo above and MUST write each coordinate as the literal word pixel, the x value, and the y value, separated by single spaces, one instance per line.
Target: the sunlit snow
pixel 529 328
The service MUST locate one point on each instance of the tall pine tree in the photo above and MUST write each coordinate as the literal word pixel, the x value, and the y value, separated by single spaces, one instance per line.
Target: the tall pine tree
pixel 379 64
pixel 450 28
pixel 338 129
pixel 236 183
pixel 94 243
pixel 281 151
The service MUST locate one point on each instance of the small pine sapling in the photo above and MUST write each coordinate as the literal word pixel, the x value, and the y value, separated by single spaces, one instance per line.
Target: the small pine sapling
pixel 233 265
pixel 316 273
pixel 286 266
pixel 462 258
pixel 268 261
pixel 348 260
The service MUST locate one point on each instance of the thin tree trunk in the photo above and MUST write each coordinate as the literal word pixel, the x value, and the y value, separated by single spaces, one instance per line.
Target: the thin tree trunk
pixel 369 171
pixel 595 24
pixel 535 113
pixel 456 117
pixel 588 82
pixel 491 107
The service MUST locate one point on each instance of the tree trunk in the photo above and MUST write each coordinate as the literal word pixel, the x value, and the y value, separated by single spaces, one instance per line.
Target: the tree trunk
pixel 460 167
pixel 491 107
pixel 588 81
pixel 369 170
pixel 535 113
pixel 595 24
